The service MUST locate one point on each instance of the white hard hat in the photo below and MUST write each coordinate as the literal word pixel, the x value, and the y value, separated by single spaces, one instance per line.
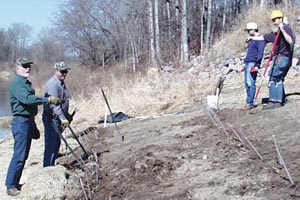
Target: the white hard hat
pixel 251 26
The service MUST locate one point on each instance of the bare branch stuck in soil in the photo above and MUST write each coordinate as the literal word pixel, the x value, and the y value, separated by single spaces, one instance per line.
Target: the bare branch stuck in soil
pixel 83 189
pixel 251 146
pixel 281 161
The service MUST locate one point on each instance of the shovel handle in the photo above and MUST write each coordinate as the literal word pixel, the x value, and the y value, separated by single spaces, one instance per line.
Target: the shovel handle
pixel 105 99
pixel 268 63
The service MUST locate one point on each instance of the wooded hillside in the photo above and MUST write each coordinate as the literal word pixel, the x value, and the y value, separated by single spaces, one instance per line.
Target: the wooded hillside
pixel 135 32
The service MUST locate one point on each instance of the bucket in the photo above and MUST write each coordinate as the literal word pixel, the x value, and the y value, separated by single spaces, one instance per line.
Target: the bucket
pixel 212 101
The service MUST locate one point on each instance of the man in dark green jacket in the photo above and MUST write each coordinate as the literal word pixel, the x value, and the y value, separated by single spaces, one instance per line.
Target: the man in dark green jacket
pixel 23 103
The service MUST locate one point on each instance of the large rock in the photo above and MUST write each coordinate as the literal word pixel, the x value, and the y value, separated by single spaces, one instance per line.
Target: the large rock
pixel 45 183
pixel 5 75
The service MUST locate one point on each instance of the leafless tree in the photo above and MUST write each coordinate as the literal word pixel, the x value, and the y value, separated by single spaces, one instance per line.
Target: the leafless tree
pixel 49 48
pixel 202 26
pixel 133 32
pixel 151 34
pixel 247 3
pixel 262 2
pixel 224 16
pixel 184 40
pixel 18 38
pixel 209 21
pixel 157 32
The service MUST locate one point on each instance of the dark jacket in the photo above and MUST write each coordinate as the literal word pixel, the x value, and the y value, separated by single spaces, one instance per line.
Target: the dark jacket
pixel 22 97
pixel 282 47
pixel 255 52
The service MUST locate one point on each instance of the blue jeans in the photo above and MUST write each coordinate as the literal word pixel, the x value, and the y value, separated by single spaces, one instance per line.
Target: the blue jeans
pixel 250 79
pixel 22 128
pixel 277 75
pixel 52 139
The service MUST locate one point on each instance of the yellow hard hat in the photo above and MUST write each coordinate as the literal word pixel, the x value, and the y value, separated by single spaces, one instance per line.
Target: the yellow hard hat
pixel 276 14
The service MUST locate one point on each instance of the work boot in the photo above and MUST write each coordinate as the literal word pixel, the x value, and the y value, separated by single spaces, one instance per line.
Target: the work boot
pixel 272 105
pixel 12 191
pixel 19 186
pixel 248 107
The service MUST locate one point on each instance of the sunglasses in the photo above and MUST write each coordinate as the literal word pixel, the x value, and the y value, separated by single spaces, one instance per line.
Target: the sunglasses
pixel 26 66
pixel 64 71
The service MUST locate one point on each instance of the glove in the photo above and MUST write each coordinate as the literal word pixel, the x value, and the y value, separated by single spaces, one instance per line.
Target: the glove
pixel 54 100
pixel 254 69
pixel 64 123
pixel 249 39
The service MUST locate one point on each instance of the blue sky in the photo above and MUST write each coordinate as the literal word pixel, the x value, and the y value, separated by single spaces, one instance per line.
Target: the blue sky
pixel 36 13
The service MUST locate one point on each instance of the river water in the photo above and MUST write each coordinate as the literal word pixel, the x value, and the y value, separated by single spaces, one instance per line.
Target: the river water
pixel 4 106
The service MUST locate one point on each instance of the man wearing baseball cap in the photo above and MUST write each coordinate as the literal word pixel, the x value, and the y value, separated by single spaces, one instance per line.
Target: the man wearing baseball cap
pixel 24 107
pixel 55 117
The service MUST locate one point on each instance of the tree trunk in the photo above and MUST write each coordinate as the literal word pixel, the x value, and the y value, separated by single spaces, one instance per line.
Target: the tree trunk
pixel 134 57
pixel 202 27
pixel 177 9
pixel 151 34
pixel 262 2
pixel 168 19
pixel 287 3
pixel 157 36
pixel 184 41
pixel 224 18
pixel 209 19
pixel 247 3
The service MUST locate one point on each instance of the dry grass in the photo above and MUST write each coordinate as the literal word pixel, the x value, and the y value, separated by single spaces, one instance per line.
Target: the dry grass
pixel 144 95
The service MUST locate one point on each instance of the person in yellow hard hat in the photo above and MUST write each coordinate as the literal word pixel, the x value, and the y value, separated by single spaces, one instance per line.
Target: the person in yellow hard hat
pixel 281 61
pixel 255 52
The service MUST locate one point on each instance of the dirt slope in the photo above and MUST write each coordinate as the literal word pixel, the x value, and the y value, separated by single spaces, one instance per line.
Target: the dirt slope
pixel 185 156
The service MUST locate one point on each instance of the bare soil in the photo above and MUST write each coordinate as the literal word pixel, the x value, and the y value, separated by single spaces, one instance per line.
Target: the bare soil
pixel 186 156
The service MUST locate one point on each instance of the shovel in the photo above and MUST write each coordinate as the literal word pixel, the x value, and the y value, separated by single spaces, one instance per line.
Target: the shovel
pixel 111 114
pixel 74 135
pixel 268 63
pixel 213 100
pixel 79 160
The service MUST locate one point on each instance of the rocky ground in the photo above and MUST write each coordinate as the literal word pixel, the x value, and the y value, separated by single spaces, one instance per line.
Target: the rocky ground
pixel 182 155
